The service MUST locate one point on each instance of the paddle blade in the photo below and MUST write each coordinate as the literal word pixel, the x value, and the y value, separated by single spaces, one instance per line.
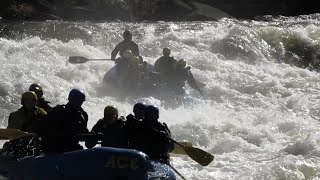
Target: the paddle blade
pixel 6 134
pixel 202 157
pixel 78 60
pixel 193 83
pixel 200 84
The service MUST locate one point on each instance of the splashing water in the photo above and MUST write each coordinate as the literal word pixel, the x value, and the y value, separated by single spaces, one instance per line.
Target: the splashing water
pixel 260 113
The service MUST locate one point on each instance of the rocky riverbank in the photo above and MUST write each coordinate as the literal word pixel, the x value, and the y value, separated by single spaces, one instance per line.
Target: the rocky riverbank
pixel 151 10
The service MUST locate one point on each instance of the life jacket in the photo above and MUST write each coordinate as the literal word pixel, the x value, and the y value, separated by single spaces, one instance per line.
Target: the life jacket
pixel 25 120
pixel 129 73
pixel 113 135
pixel 165 65
pixel 153 140
pixel 61 127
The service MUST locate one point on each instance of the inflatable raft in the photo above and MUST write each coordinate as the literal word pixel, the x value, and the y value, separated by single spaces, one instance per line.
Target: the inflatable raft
pixel 96 163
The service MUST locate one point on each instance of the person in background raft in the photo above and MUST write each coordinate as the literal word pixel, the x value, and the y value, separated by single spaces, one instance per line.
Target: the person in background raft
pixel 163 70
pixel 129 71
pixel 126 44
pixel 178 80
pixel 35 87
pixel 111 127
pixel 166 64
pixel 182 75
pixel 153 137
pixel 63 125
pixel 173 74
pixel 29 116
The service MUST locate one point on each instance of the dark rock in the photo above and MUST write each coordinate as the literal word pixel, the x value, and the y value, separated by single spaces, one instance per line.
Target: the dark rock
pixel 81 10
pixel 133 10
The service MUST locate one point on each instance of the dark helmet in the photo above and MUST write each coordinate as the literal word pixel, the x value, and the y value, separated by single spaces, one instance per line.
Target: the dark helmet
pixel 141 107
pixel 139 110
pixel 152 111
pixel 35 87
pixel 76 94
pixel 127 35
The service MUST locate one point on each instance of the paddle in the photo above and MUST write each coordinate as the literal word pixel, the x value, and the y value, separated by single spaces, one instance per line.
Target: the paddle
pixel 200 156
pixel 81 60
pixel 7 134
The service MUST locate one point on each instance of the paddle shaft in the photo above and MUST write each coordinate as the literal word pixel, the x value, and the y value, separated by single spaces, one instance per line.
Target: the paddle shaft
pixel 176 171
pixel 183 146
pixel 177 142
pixel 8 134
pixel 99 59
pixel 15 134
pixel 81 60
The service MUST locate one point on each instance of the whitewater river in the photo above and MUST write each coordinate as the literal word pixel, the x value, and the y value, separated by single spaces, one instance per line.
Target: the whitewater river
pixel 259 115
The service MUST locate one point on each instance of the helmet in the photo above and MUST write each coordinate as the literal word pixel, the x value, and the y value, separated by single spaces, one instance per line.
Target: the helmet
pixel 152 111
pixel 127 54
pixel 139 107
pixel 135 61
pixel 76 94
pixel 139 110
pixel 111 110
pixel 166 51
pixel 127 35
pixel 182 63
pixel 29 95
pixel 35 87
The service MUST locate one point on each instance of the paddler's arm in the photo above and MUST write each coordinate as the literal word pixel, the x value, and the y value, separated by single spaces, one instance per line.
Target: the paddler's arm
pixel 115 52
pixel 156 66
pixel 97 131
pixel 135 49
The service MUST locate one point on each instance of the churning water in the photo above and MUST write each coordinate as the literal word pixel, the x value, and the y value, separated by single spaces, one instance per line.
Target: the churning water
pixel 260 112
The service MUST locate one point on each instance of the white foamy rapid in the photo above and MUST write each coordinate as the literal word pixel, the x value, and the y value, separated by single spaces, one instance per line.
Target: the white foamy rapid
pixel 259 116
